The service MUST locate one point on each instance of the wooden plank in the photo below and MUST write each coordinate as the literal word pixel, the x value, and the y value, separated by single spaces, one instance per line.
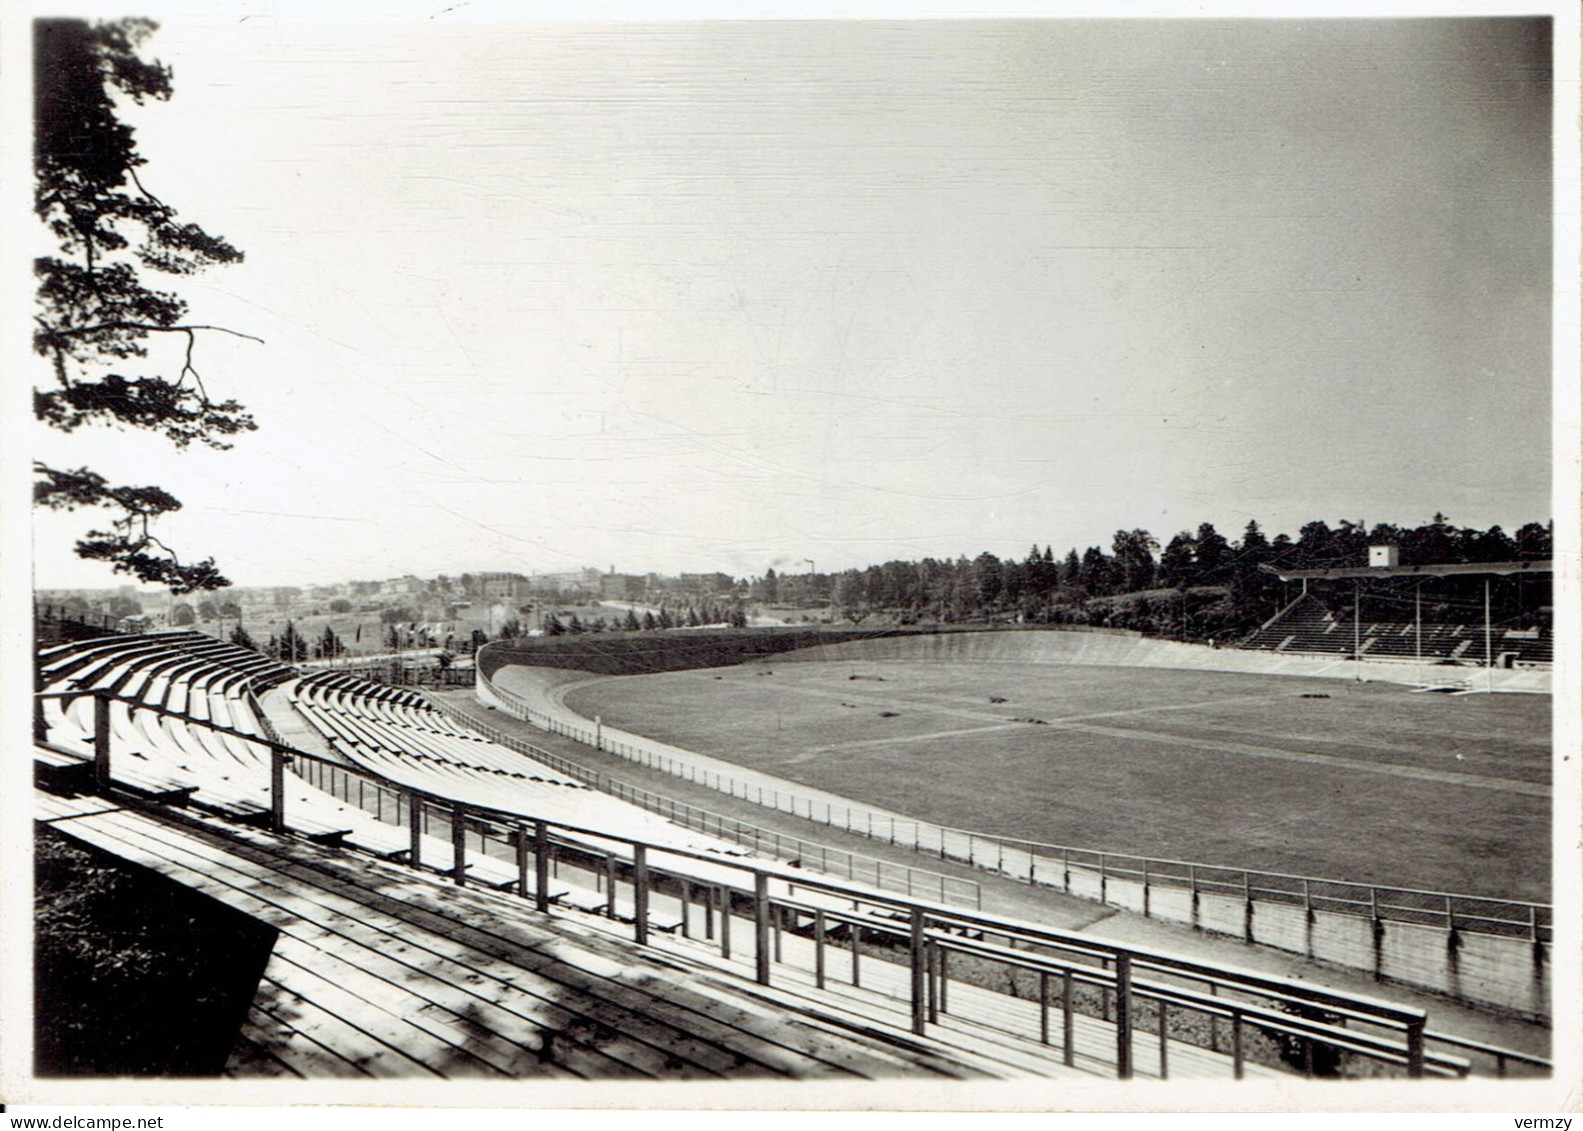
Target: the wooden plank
pixel 50 807
pixel 363 1011
pixel 993 1052
pixel 295 1049
pixel 512 1011
pixel 399 996
pixel 764 1033
pixel 250 1059
pixel 712 1003
pixel 743 1021
pixel 581 1038
pixel 57 759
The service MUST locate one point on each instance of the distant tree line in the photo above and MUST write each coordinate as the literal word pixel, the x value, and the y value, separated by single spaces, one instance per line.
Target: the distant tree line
pixel 1199 584
pixel 682 616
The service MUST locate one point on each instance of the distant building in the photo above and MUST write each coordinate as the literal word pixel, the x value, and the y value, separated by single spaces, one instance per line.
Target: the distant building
pixel 587 580
pixel 508 588
pixel 707 584
pixel 620 586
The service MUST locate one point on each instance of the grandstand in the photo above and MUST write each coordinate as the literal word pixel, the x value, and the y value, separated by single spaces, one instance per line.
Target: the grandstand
pixel 446 906
pixel 1460 631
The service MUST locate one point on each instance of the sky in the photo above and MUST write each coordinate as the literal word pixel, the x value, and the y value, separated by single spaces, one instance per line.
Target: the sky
pixel 698 296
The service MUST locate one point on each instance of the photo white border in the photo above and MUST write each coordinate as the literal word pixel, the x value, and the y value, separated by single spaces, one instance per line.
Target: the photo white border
pixel 271 1102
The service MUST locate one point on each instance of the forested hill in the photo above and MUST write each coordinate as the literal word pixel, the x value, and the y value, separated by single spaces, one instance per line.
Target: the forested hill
pixel 1199 585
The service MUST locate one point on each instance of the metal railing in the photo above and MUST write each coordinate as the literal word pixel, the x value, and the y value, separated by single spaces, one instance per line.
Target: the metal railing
pixel 1502 1058
pixel 923 938
pixel 883 874
pixel 1086 871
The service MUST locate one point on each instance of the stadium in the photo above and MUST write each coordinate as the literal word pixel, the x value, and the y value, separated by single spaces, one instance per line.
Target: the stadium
pixel 423 807
pixel 947 825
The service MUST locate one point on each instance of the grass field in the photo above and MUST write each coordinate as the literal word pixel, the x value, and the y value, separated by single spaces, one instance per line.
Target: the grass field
pixel 1373 783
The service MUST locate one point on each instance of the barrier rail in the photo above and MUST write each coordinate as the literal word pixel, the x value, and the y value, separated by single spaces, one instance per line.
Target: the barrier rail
pixel 1054 864
pixel 809 854
pixel 1307 915
pixel 917 935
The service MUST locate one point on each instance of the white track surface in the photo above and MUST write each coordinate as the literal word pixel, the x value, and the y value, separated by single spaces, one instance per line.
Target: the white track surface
pixel 1125 650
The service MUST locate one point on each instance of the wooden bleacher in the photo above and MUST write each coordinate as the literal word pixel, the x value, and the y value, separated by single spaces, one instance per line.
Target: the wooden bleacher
pixel 401 739
pixel 377 972
pixel 383 970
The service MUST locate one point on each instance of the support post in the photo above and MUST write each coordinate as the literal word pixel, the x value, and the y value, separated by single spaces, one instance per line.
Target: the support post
pixel 415 827
pixel 1123 1015
pixel 918 957
pixel 1068 1053
pixel 1164 1013
pixel 1489 657
pixel 1357 627
pixel 541 866
pixel 1418 627
pixel 459 846
pixel 277 777
pixel 761 928
pixel 640 893
pixel 101 742
pixel 818 949
pixel 1415 1047
pixel 522 862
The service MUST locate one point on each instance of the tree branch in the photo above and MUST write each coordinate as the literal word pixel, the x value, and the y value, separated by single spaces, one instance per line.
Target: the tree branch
pixel 147 327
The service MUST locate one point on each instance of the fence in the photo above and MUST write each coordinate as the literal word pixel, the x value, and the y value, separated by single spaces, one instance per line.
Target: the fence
pixel 1475 948
pixel 882 874
pixel 925 939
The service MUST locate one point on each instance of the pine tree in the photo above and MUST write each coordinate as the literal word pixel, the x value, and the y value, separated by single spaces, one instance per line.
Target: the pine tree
pixel 330 645
pixel 95 316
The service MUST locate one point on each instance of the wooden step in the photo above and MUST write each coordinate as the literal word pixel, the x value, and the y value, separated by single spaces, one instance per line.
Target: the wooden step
pixel 518 985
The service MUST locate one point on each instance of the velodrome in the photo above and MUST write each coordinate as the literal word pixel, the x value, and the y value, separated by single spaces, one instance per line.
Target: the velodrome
pixel 448 904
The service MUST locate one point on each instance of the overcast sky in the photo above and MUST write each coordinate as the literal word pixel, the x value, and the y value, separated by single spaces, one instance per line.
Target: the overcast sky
pixel 700 296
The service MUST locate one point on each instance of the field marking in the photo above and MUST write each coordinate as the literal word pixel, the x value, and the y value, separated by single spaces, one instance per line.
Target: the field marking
pixel 1079 723
pixel 1219 746
pixel 836 747
pixel 1390 769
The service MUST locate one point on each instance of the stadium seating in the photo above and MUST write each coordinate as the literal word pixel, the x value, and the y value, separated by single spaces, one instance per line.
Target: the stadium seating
pixel 185 724
pixel 394 734
pixel 1307 625
pixel 388 734
pixel 214 767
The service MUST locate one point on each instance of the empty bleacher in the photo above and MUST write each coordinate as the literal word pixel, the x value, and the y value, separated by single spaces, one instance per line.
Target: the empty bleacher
pixel 161 682
pixel 393 733
pixel 384 971
pixel 1309 626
